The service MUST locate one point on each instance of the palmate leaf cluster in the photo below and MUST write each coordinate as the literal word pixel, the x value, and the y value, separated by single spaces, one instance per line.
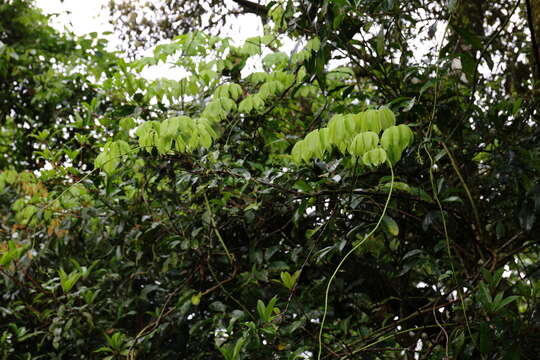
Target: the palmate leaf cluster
pixel 357 134
pixel 203 215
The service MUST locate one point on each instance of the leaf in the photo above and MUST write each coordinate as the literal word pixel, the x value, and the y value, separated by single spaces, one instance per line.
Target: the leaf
pixel 505 302
pixel 67 281
pixel 196 299
pixel 313 145
pixel 391 225
pixel 238 347
pixel 387 118
pixel 111 155
pixel 395 139
pixel 374 157
pixel 324 140
pixel 370 120
pixel 288 280
pixel 204 137
pixel 14 252
pixel 127 123
pixel 261 309
pixel 169 127
pixel 148 134
pixel 297 152
pixel 380 42
pixel 235 91
pixel 246 105
pixel 164 145
pixel 452 199
pixel 338 132
pixel 363 143
pixel 313 44
pixel 258 102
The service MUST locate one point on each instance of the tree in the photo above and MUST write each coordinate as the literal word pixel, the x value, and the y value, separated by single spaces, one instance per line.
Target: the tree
pixel 378 207
pixel 143 24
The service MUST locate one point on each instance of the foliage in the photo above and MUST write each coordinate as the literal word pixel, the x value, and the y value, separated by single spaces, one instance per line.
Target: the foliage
pixel 346 189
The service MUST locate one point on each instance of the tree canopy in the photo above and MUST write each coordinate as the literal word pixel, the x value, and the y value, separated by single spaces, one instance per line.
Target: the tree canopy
pixel 372 193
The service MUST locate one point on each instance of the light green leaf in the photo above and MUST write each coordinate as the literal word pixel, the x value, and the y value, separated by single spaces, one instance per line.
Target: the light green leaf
pixel 169 127
pixel 164 145
pixel 297 151
pixel 374 157
pixel 395 139
pixel 258 102
pixel 246 105
pixel 313 145
pixel 337 129
pixel 112 153
pixel 261 309
pixel 363 143
pixel 324 140
pixel 235 91
pixel 313 44
pixel 204 137
pixel 387 117
pixel 370 121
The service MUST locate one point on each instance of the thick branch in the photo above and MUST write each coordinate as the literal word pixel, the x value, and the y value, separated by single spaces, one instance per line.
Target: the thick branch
pixel 533 20
pixel 252 7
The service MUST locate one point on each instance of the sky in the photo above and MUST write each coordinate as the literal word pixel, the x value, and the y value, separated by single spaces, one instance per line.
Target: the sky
pixel 87 16
pixel 83 17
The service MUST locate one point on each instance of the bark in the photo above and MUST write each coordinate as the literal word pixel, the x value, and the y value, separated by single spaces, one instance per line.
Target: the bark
pixel 533 20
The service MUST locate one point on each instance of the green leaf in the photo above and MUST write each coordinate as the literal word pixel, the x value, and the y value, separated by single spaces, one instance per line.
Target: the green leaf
pixel 502 303
pixel 395 139
pixel 246 105
pixel 127 123
pixel 363 143
pixel 164 145
pixel 288 280
pixel 387 118
pixel 148 134
pixel 204 137
pixel 324 140
pixel 169 127
pixel 67 281
pixel 235 91
pixel 391 225
pixel 111 155
pixel 13 252
pixel 261 309
pixel 313 145
pixel 196 299
pixel 237 348
pixel 338 130
pixel 298 151
pixel 369 120
pixel 374 157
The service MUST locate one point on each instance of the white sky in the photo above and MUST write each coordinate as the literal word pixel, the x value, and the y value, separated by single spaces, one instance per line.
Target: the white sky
pixel 83 17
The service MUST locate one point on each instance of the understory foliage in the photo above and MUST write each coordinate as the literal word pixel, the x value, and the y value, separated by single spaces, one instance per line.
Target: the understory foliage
pixel 347 199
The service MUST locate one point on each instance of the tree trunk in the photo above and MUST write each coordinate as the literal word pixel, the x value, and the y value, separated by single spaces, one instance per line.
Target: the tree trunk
pixel 533 20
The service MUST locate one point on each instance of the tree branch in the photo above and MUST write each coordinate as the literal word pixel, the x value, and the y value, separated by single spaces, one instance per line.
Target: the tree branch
pixel 251 7
pixel 536 52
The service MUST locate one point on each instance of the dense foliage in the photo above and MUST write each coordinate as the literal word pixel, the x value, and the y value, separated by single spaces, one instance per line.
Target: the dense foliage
pixel 373 194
